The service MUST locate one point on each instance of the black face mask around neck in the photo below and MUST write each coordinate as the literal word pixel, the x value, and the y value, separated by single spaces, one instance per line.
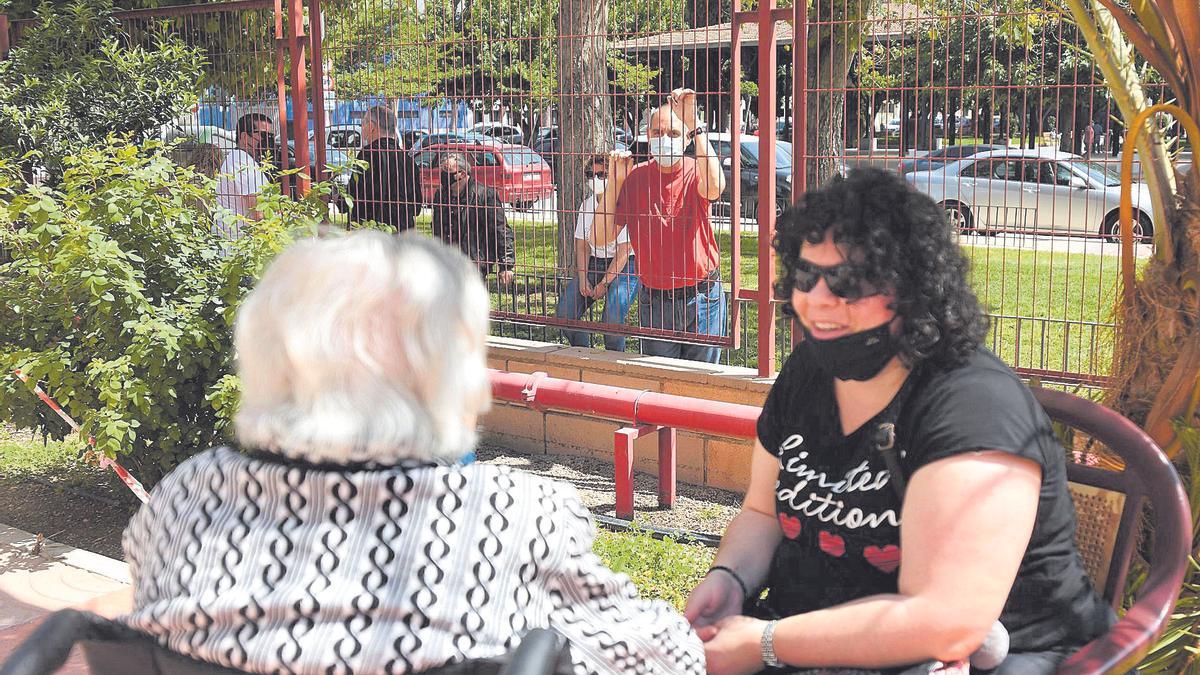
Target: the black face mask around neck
pixel 858 356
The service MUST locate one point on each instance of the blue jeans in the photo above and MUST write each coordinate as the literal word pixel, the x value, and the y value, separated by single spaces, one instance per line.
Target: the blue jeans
pixel 699 310
pixel 572 304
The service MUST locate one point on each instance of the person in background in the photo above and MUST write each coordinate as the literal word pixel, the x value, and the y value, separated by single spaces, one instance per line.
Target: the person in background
pixel 389 190
pixel 241 175
pixel 609 272
pixel 665 204
pixel 345 532
pixel 469 215
pixel 206 159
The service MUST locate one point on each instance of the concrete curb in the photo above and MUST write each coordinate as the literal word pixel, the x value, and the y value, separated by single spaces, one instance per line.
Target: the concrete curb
pixel 86 561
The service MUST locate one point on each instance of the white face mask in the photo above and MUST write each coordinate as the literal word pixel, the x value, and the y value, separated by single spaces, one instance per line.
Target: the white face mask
pixel 666 150
pixel 598 184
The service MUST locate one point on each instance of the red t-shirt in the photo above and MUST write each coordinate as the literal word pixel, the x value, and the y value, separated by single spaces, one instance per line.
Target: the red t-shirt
pixel 669 225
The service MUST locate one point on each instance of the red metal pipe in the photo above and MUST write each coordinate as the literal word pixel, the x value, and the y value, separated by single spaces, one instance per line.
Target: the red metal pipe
pixel 316 34
pixel 766 187
pixel 281 95
pixel 628 405
pixel 735 175
pixel 298 51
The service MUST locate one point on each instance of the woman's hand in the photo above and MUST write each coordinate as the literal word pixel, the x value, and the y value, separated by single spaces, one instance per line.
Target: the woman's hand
pixel 716 597
pixel 733 646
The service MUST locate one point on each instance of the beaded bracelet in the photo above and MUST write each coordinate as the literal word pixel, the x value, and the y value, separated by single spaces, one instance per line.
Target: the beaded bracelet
pixel 738 579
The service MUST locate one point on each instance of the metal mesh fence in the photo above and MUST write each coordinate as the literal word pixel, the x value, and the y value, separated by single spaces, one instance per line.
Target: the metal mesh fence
pixel 488 123
pixel 997 112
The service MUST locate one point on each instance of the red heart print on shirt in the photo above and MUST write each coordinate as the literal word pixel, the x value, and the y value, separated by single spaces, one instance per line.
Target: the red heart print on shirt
pixel 790 525
pixel 885 559
pixel 832 544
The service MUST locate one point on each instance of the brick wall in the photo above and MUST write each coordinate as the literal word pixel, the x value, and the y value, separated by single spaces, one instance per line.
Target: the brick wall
pixel 702 459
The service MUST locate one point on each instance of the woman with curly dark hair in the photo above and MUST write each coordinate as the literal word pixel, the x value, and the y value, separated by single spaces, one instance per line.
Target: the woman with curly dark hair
pixel 892 386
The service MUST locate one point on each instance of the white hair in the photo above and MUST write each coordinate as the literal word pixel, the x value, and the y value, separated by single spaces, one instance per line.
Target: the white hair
pixel 364 348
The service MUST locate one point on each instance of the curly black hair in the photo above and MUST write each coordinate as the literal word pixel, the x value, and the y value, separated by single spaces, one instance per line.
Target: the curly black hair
pixel 900 238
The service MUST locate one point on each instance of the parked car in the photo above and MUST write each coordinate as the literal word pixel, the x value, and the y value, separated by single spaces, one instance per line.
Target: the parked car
pixel 344 137
pixel 222 138
pixel 943 156
pixel 783 128
pixel 337 163
pixel 618 134
pixel 549 146
pixel 518 174
pixel 409 139
pixel 1043 191
pixel 722 144
pixel 443 137
pixel 505 133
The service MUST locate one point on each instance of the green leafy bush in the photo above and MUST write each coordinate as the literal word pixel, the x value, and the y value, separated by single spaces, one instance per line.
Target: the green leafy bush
pixel 75 77
pixel 118 301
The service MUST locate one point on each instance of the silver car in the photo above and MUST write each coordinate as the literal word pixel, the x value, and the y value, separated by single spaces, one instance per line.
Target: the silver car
pixel 1042 191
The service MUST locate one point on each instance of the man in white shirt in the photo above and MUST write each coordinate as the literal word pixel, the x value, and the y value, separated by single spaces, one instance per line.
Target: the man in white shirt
pixel 608 272
pixel 241 176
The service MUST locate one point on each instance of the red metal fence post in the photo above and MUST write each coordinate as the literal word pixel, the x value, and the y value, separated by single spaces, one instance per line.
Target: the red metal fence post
pixel 799 114
pixel 281 94
pixel 766 186
pixel 623 470
pixel 666 466
pixel 297 49
pixel 735 175
pixel 316 33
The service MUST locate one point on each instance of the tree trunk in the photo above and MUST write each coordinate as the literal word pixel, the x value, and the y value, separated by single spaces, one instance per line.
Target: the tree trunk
pixel 950 122
pixel 584 114
pixel 983 123
pixel 829 60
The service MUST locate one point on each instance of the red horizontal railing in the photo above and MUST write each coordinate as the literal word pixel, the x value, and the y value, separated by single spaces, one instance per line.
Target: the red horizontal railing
pixel 644 412
pixel 636 406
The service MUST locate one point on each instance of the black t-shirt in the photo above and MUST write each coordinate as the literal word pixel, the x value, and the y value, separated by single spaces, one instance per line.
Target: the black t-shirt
pixel 840 513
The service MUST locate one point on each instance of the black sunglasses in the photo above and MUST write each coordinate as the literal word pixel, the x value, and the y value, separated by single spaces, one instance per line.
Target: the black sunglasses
pixel 845 281
pixel 595 174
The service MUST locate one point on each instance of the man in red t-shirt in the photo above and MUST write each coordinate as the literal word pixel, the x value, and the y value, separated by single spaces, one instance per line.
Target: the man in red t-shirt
pixel 665 204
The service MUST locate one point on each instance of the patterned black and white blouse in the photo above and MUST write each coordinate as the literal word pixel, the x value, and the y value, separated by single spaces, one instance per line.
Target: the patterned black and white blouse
pixel 268 566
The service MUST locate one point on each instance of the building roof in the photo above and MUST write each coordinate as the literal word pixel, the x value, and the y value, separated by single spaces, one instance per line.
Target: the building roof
pixel 890 21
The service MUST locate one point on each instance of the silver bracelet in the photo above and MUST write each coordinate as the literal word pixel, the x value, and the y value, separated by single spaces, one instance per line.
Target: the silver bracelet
pixel 768 646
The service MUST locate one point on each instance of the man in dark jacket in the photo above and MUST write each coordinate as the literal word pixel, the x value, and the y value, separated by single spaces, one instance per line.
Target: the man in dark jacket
pixel 468 214
pixel 389 191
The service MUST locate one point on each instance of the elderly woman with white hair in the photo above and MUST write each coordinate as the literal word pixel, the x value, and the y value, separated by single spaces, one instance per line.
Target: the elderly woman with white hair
pixel 346 534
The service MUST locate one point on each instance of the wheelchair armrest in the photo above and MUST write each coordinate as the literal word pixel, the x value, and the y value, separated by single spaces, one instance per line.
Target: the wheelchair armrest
pixel 48 646
pixel 538 654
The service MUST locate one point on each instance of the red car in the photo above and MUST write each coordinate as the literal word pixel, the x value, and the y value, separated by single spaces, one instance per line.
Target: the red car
pixel 518 174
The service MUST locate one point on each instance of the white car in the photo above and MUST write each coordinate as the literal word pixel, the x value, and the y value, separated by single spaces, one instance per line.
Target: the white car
pixel 505 133
pixel 1026 191
pixel 344 137
pixel 224 139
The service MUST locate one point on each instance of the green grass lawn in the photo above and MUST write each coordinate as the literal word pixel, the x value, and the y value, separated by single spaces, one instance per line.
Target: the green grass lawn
pixel 1050 310
pixel 662 569
pixel 23 456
